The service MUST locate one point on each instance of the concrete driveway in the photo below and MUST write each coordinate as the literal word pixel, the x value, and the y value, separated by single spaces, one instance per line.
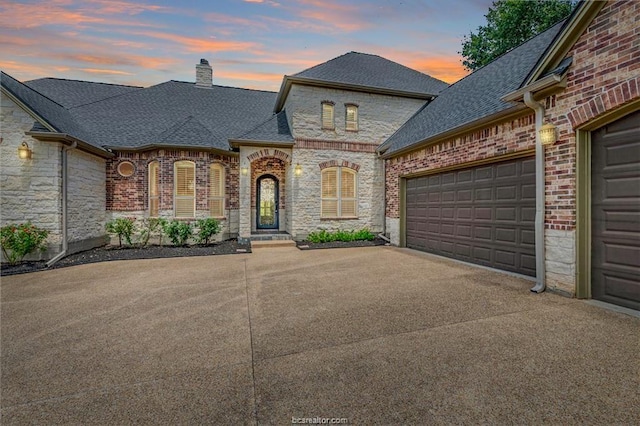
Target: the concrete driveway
pixel 376 335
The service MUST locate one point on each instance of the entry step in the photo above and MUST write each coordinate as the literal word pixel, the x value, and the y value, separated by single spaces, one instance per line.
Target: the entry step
pixel 271 243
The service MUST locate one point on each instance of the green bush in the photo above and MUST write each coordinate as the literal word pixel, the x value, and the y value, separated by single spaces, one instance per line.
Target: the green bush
pixel 150 227
pixel 327 237
pixel 20 240
pixel 123 227
pixel 178 232
pixel 207 228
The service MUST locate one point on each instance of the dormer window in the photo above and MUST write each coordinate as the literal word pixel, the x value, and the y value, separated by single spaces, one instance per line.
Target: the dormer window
pixel 328 122
pixel 351 117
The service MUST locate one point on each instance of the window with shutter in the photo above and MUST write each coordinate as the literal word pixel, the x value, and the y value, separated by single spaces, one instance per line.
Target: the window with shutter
pixel 327 116
pixel 351 117
pixel 154 190
pixel 339 193
pixel 184 191
pixel 216 190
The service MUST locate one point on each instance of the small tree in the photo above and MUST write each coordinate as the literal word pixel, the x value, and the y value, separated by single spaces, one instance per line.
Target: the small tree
pixel 17 241
pixel 123 227
pixel 149 227
pixel 207 228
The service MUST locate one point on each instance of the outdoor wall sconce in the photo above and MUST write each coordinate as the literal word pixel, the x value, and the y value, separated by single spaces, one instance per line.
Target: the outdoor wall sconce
pixel 24 152
pixel 548 134
pixel 244 171
pixel 297 170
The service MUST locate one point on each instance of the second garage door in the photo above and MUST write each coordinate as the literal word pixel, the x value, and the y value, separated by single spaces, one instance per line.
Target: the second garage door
pixel 483 215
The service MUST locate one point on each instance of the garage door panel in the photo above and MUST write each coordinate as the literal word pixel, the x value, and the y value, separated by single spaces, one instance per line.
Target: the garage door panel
pixel 528 167
pixel 615 212
pixel 486 222
pixel 528 192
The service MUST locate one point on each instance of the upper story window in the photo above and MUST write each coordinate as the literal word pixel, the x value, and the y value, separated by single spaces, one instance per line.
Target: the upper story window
pixel 351 117
pixel 184 189
pixel 327 115
pixel 154 190
pixel 339 193
pixel 216 190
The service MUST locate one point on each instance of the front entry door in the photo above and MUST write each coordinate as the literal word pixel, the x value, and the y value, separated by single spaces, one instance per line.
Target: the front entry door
pixel 267 202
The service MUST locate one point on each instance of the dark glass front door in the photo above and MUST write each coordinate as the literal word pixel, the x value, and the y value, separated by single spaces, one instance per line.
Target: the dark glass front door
pixel 267 202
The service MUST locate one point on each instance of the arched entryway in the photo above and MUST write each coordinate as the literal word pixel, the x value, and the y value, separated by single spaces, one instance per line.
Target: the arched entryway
pixel 267 202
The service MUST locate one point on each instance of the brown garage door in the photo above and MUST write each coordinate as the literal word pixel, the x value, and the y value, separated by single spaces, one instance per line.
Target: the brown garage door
pixel 615 212
pixel 483 215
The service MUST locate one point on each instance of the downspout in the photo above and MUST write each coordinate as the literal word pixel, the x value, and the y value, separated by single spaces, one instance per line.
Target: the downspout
pixel 65 184
pixel 540 201
pixel 384 200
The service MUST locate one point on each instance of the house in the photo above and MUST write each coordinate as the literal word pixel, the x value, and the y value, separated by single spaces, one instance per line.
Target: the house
pixel 361 141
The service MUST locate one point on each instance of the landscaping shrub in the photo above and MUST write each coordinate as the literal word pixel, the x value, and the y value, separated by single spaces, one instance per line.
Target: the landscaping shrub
pixel 123 227
pixel 17 241
pixel 207 228
pixel 178 232
pixel 150 227
pixel 327 237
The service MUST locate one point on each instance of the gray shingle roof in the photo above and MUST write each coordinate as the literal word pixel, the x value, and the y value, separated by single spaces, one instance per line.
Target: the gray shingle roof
pixel 474 97
pixel 53 113
pixel 72 93
pixel 362 69
pixel 199 117
pixel 276 129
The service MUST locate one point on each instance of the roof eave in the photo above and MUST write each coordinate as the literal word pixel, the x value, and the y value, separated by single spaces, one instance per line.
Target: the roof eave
pixel 573 29
pixel 28 109
pixel 549 83
pixel 288 81
pixel 149 147
pixel 68 139
pixel 236 143
pixel 513 112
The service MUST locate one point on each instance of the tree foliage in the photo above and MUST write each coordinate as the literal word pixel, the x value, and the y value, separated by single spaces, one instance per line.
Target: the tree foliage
pixel 510 23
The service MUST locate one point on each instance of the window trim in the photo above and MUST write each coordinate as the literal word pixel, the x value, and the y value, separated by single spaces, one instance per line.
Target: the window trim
pixel 339 198
pixel 331 104
pixel 177 197
pixel 156 165
pixel 355 122
pixel 126 163
pixel 221 188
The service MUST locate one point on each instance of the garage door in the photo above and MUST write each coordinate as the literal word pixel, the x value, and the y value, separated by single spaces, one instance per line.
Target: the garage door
pixel 483 215
pixel 615 212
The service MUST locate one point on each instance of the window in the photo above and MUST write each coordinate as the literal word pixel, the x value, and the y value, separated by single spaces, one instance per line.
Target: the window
pixel 338 193
pixel 184 191
pixel 351 117
pixel 327 116
pixel 216 190
pixel 154 193
pixel 126 169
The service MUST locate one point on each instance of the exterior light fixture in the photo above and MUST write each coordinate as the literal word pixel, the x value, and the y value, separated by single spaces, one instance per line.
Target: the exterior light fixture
pixel 244 171
pixel 297 170
pixel 24 152
pixel 548 134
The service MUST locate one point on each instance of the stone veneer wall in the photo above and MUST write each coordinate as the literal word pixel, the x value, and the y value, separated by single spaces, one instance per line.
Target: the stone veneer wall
pixel 378 115
pixel 603 77
pixel 30 190
pixel 128 197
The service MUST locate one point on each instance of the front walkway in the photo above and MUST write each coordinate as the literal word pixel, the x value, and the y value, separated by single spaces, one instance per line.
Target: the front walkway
pixel 374 335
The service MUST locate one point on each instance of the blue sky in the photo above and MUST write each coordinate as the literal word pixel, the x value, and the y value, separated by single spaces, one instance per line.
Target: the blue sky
pixel 249 43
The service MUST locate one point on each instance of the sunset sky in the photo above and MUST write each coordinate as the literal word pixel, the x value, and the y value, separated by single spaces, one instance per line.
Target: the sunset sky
pixel 249 43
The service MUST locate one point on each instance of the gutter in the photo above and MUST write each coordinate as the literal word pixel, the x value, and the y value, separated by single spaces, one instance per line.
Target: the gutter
pixel 540 199
pixel 66 138
pixel 65 184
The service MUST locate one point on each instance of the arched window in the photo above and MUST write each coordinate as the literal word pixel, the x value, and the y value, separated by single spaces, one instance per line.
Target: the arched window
pixel 184 189
pixel 339 193
pixel 154 189
pixel 216 190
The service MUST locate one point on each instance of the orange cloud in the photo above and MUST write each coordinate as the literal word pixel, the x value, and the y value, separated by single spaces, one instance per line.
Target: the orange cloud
pixel 103 71
pixel 193 44
pixel 448 68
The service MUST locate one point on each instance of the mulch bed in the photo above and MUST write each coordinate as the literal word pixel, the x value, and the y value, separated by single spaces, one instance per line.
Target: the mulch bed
pixel 307 245
pixel 104 254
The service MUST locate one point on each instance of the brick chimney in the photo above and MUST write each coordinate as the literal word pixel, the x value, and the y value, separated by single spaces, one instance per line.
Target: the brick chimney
pixel 204 74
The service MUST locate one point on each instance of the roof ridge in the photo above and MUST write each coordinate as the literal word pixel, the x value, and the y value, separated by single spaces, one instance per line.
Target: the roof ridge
pixel 218 85
pixel 108 97
pixel 175 127
pixel 260 125
pixel 33 90
pixel 83 81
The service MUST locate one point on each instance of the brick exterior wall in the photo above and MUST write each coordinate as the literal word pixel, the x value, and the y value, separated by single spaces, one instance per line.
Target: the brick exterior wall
pixel 269 166
pixel 131 193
